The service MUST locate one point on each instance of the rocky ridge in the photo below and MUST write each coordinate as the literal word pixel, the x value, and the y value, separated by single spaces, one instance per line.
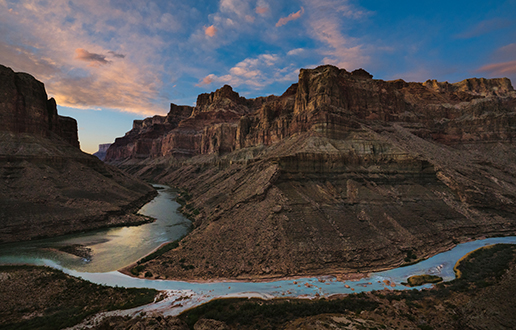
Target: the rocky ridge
pixel 48 185
pixel 340 173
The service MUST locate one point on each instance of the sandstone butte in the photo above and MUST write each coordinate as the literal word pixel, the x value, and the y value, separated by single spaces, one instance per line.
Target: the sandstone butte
pixel 341 173
pixel 48 186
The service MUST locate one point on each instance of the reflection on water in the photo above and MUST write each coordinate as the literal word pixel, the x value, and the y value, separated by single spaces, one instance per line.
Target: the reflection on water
pixel 111 249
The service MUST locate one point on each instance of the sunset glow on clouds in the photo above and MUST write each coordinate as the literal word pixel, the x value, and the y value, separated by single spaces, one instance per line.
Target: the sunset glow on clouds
pixel 291 17
pixel 138 56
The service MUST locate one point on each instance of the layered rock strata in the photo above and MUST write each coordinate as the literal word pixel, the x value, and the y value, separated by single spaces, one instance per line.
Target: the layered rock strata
pixel 340 173
pixel 48 185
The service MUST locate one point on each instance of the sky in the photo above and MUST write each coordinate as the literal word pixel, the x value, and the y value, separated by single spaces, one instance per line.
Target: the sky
pixel 109 62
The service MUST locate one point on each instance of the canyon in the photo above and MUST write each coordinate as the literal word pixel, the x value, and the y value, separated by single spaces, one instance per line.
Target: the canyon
pixel 341 173
pixel 50 187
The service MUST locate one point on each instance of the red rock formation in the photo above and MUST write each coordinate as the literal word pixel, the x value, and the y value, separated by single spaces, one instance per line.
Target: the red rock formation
pixel 341 172
pixel 326 99
pixel 25 108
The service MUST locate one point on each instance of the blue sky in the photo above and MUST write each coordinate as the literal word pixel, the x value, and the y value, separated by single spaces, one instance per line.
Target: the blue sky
pixel 110 62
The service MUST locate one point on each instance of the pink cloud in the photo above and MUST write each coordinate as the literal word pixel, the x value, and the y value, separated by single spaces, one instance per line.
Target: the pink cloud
pixel 261 10
pixel 205 81
pixel 503 68
pixel 210 31
pixel 284 20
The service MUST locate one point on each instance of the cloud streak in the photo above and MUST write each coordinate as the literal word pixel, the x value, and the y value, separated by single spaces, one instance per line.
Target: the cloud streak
pixel 96 59
pixel 284 20
pixel 500 69
pixel 326 19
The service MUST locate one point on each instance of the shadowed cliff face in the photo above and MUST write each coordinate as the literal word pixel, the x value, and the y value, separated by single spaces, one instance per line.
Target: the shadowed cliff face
pixel 340 173
pixel 48 186
pixel 26 109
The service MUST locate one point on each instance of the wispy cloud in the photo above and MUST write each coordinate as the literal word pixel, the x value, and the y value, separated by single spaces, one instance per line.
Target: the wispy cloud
pixel 284 20
pixel 64 45
pixel 96 59
pixel 296 51
pixel 261 10
pixel 255 72
pixel 326 20
pixel 505 53
pixel 500 69
pixel 485 27
pixel 112 53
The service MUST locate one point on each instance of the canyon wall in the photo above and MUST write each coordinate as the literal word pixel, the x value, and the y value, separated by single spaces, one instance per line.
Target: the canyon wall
pixel 48 185
pixel 340 173
pixel 26 108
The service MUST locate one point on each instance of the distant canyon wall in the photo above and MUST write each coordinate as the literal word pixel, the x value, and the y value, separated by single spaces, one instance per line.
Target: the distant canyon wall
pixel 327 100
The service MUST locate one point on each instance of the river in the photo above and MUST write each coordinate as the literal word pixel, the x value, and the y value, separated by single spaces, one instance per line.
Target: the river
pixel 112 248
pixel 115 248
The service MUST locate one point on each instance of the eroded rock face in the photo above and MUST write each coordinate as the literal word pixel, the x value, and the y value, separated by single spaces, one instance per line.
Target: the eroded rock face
pixel 145 139
pixel 48 186
pixel 25 108
pixel 340 173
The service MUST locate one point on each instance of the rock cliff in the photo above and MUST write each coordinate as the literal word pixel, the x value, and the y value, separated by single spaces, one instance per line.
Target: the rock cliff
pixel 340 173
pixel 101 153
pixel 48 186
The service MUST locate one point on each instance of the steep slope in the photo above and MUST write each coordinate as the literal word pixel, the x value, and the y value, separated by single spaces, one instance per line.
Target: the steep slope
pixel 341 173
pixel 48 186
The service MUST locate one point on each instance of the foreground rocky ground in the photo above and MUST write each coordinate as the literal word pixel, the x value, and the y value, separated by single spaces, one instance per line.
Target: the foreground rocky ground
pixel 43 298
pixel 341 173
pixel 48 186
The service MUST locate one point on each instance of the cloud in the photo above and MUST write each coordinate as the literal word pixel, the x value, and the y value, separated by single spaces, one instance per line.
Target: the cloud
pixel 284 20
pixel 206 80
pixel 210 31
pixel 485 27
pixel 256 72
pixel 65 43
pixel 97 59
pixel 326 21
pixel 261 10
pixel 500 69
pixel 112 53
pixel 238 7
pixel 505 53
pixel 296 51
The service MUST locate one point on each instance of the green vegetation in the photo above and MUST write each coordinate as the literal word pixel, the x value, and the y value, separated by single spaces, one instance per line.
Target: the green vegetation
pixel 482 267
pixel 62 300
pixel 411 256
pixel 418 280
pixel 271 314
